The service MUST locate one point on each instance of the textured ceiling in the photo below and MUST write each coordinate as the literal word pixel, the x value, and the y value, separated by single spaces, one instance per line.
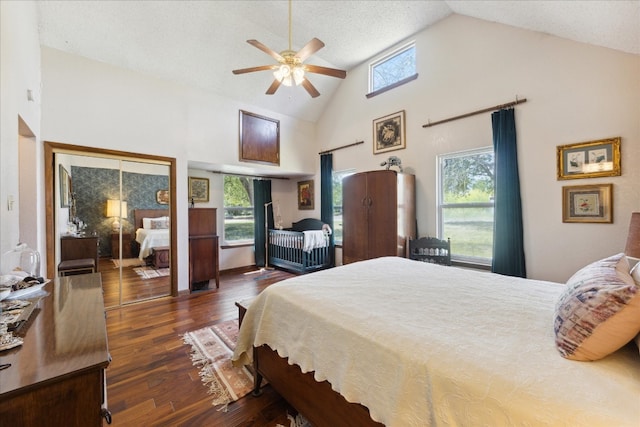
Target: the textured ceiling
pixel 198 43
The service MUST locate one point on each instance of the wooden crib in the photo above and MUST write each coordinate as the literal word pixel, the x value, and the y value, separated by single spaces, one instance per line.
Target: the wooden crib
pixel 286 248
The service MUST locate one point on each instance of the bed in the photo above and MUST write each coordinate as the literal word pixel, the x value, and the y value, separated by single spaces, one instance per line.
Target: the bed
pixel 303 248
pixel 152 231
pixel 396 342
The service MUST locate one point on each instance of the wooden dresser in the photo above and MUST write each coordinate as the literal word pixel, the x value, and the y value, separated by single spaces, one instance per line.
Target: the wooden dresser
pixel 203 248
pixel 57 377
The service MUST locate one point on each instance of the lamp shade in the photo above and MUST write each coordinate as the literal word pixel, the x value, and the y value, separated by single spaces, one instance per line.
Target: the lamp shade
pixel 633 238
pixel 113 208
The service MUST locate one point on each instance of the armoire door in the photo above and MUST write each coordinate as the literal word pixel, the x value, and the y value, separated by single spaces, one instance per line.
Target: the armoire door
pixel 354 220
pixel 382 232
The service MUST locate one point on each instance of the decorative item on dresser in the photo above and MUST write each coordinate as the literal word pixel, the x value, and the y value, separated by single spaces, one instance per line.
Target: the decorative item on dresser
pixel 56 377
pixel 430 249
pixel 203 248
pixel 378 214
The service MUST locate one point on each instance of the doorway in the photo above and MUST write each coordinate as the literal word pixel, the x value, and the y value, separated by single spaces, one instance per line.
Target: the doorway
pixel 94 199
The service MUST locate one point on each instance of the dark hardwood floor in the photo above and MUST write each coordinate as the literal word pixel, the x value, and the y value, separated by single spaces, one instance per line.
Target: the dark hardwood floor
pixel 151 380
pixel 134 288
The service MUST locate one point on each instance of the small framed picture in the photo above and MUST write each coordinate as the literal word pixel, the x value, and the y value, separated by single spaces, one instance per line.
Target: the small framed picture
pixel 589 159
pixel 198 189
pixel 305 195
pixel 587 203
pixel 388 133
pixel 162 197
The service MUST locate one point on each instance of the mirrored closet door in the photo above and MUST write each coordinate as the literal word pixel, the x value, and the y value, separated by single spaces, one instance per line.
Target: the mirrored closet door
pixel 112 213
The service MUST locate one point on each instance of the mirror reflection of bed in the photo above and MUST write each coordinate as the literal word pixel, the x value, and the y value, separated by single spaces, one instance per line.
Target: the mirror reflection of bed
pixel 146 274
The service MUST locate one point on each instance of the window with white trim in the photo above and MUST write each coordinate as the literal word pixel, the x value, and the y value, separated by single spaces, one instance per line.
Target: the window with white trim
pixel 238 209
pixel 465 204
pixel 337 177
pixel 392 68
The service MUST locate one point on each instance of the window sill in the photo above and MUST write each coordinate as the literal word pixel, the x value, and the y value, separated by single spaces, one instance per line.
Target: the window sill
pixel 470 265
pixel 227 245
pixel 392 86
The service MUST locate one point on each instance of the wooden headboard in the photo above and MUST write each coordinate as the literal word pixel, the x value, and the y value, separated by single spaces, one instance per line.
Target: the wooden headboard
pixel 138 214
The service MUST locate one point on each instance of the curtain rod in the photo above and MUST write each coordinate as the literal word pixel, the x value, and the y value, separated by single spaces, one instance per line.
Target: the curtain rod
pixel 473 113
pixel 251 176
pixel 340 148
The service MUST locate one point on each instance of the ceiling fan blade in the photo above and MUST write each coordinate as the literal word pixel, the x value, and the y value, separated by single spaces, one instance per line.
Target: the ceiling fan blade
pixel 274 87
pixel 333 72
pixel 310 88
pixel 266 50
pixel 309 49
pixel 252 69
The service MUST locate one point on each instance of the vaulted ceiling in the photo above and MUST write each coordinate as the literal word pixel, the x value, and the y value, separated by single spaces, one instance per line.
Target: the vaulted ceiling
pixel 198 43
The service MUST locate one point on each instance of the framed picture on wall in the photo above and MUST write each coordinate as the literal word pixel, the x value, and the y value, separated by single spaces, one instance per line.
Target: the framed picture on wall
pixel 305 195
pixel 162 197
pixel 198 189
pixel 587 203
pixel 65 188
pixel 589 159
pixel 388 133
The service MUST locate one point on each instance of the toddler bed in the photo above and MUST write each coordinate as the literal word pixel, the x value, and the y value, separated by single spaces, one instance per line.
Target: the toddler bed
pixel 303 248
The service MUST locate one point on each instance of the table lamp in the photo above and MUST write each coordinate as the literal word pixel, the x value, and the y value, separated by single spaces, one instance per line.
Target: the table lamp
pixel 116 210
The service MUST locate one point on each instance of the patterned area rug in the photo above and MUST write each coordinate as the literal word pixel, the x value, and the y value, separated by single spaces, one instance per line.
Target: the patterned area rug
pixel 150 272
pixel 127 262
pixel 211 350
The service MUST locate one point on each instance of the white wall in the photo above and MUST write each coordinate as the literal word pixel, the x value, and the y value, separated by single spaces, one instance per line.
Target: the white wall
pixel 19 72
pixel 575 92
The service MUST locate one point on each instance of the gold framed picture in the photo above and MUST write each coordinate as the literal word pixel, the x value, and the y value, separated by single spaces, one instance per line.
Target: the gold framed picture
pixel 198 189
pixel 162 197
pixel 589 159
pixel 587 203
pixel 305 195
pixel 388 133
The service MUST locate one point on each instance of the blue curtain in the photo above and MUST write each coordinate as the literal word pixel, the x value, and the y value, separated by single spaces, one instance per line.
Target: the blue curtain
pixel 508 243
pixel 261 196
pixel 326 197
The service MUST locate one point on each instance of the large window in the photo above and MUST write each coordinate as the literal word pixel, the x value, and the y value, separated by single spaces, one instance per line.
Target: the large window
pixel 393 68
pixel 337 177
pixel 238 209
pixel 465 204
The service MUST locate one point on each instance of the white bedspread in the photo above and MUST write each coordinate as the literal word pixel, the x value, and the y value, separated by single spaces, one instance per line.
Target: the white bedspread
pixel 314 239
pixel 151 238
pixel 421 344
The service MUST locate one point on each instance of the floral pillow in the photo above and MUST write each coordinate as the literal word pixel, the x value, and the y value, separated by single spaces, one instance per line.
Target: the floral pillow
pixel 599 311
pixel 160 223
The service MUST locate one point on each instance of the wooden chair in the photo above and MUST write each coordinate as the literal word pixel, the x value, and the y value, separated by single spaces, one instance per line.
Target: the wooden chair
pixel 430 249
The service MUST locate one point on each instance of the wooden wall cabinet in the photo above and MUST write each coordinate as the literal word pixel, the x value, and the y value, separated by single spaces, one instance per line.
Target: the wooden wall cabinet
pixel 378 214
pixel 203 248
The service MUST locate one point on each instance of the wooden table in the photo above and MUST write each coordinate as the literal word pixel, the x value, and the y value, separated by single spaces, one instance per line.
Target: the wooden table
pixel 56 377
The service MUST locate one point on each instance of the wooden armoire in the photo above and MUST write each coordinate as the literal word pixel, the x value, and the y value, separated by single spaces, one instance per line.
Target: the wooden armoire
pixel 203 248
pixel 378 215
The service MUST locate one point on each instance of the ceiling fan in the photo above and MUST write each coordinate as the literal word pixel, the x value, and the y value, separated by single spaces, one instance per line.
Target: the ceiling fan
pixel 290 68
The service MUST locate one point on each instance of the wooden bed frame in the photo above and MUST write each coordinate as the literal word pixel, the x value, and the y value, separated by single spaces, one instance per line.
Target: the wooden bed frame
pixel 291 257
pixel 316 401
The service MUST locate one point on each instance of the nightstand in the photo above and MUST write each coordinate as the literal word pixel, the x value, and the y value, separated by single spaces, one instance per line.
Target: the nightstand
pixel 115 245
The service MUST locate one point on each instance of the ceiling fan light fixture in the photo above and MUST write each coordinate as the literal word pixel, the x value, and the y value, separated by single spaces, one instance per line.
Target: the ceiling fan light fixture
pixel 298 75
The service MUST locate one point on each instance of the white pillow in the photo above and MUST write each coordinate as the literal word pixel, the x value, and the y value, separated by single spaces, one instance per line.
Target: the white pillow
pixel 146 223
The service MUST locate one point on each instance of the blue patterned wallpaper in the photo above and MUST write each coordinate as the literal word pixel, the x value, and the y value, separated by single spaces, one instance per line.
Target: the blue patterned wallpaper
pixel 92 188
